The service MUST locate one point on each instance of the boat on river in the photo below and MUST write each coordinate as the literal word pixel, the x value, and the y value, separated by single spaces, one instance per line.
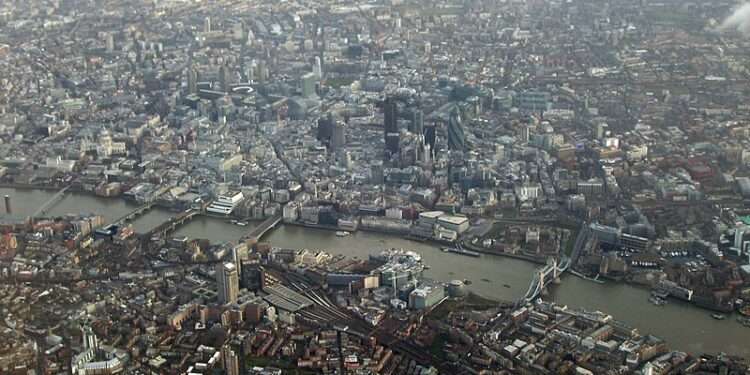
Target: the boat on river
pixel 719 316
pixel 657 301
pixel 461 251
pixel 592 279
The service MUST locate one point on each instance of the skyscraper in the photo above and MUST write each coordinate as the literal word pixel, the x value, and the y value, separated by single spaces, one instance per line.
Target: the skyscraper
pixel 253 276
pixel 376 173
pixel 192 80
pixel 262 71
pixel 325 128
pixel 231 360
pixel 338 138
pixel 251 70
pixel 392 138
pixel 427 153
pixel 456 138
pixel 207 25
pixel 417 122
pixel 110 42
pixel 225 78
pixel 308 84
pixel 236 259
pixel 392 143
pixel 430 135
pixel 390 110
pixel 318 68
pixel 228 280
pixel 525 133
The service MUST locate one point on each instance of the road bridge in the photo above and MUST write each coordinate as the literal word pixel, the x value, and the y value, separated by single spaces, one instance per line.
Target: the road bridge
pixel 550 273
pixel 259 231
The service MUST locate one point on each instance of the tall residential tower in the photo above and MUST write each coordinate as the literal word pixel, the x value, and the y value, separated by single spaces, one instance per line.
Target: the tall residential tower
pixel 228 280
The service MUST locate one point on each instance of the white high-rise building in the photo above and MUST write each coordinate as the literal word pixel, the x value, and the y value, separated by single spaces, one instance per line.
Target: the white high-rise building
pixel 228 280
pixel 207 25
pixel 110 42
pixel 318 67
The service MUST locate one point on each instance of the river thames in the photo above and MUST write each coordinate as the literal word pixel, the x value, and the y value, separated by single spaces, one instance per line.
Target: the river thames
pixel 684 327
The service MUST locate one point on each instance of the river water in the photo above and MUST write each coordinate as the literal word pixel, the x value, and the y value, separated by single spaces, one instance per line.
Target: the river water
pixel 684 327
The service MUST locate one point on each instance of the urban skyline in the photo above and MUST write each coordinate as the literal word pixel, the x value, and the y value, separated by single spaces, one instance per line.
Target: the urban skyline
pixel 374 187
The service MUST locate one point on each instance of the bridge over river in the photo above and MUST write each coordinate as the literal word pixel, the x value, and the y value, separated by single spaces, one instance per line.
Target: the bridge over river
pixel 550 273
pixel 261 229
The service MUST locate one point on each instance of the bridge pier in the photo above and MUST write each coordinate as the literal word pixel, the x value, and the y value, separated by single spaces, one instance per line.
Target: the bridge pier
pixel 542 286
pixel 543 277
pixel 555 271
pixel 540 275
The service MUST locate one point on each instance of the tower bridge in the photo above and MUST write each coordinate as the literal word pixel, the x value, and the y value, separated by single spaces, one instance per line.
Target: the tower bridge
pixel 550 273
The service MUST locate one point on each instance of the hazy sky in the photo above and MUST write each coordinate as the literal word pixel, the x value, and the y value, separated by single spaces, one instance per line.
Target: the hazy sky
pixel 739 20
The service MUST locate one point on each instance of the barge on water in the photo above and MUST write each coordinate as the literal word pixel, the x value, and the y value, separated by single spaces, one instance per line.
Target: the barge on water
pixel 461 251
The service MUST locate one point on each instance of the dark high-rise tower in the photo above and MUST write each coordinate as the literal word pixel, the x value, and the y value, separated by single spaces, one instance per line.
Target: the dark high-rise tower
pixel 325 128
pixel 456 138
pixel 417 122
pixel 430 135
pixel 392 143
pixel 390 109
pixel 392 139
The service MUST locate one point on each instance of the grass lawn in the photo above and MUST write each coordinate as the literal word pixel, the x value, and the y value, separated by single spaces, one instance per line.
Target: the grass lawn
pixel 339 82
pixel 286 366
pixel 471 301
pixel 441 311
pixel 478 302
